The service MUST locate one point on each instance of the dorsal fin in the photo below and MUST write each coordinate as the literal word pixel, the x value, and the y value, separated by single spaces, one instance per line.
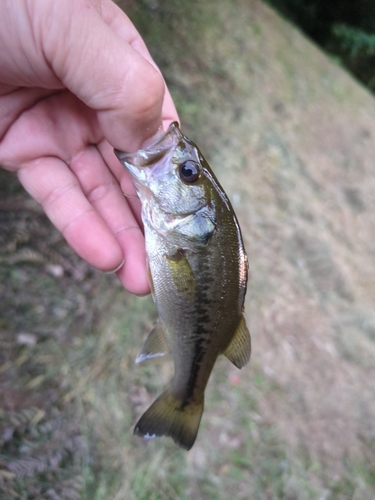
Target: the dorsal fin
pixel 155 345
pixel 239 349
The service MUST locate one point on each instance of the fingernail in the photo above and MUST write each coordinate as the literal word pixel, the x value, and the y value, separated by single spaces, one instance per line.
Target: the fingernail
pixel 113 271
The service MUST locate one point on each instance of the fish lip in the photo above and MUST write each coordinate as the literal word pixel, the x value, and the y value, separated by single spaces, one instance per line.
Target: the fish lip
pixel 154 151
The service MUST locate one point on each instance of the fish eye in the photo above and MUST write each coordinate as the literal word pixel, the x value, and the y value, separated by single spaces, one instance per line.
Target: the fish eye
pixel 189 171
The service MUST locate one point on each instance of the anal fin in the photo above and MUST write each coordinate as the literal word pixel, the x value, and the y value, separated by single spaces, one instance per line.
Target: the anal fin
pixel 155 345
pixel 239 349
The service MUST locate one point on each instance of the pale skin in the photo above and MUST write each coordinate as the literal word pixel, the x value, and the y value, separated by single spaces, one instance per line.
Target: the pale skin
pixel 76 80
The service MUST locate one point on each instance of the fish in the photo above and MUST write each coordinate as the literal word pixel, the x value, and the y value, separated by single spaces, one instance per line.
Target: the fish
pixel 198 272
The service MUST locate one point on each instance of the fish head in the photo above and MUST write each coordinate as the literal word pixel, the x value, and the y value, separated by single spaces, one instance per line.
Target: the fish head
pixel 177 188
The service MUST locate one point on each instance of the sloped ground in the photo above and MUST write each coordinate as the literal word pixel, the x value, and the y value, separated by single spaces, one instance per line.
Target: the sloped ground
pixel 291 137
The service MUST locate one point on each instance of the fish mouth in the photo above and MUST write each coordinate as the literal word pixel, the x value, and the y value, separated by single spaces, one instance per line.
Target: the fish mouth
pixel 153 152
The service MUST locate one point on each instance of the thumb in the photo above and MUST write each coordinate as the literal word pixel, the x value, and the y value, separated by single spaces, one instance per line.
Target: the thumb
pixel 98 55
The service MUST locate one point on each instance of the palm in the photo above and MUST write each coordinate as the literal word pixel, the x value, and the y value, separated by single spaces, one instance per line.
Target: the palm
pixel 58 149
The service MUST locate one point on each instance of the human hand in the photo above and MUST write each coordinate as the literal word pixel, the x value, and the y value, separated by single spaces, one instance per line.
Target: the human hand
pixel 76 80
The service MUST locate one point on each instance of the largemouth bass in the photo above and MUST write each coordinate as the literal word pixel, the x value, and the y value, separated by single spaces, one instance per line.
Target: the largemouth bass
pixel 198 275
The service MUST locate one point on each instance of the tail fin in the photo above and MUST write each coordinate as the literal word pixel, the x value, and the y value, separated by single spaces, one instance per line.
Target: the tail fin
pixel 168 417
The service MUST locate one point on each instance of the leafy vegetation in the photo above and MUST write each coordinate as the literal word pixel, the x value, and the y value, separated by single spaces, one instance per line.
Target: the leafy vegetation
pixel 345 29
pixel 41 455
pixel 354 41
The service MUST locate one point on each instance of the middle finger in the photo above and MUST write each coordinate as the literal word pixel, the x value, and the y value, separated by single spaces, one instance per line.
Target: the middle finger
pixel 104 193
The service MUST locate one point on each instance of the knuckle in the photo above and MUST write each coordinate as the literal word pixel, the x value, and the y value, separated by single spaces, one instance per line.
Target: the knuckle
pixel 99 192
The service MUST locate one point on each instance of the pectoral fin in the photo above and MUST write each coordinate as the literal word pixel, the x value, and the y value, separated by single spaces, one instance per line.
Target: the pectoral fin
pixel 155 345
pixel 181 273
pixel 239 349
pixel 150 281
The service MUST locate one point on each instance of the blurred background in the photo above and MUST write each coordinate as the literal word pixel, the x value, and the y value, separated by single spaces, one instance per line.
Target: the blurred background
pixel 291 136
